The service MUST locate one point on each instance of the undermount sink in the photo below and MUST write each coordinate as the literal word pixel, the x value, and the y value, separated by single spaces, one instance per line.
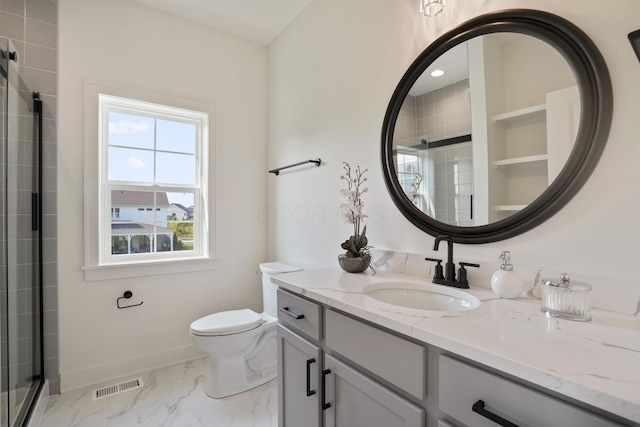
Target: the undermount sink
pixel 413 297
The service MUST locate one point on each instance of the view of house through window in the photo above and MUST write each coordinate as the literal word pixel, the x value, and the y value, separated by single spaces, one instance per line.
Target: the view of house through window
pixel 150 222
pixel 151 179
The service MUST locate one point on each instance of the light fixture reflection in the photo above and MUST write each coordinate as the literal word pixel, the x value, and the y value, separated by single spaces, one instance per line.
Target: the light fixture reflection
pixel 431 7
pixel 437 73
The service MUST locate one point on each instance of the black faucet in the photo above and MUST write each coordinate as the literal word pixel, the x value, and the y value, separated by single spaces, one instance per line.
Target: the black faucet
pixel 449 267
pixel 449 276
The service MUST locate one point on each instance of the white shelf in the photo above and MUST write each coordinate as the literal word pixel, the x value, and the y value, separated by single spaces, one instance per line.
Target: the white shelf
pixel 528 160
pixel 509 208
pixel 524 116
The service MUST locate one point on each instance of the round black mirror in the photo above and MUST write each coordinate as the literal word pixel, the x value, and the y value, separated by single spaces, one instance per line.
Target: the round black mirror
pixel 509 139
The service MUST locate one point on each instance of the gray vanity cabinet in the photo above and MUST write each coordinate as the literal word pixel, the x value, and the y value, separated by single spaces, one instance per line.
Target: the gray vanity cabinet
pixel 298 381
pixel 336 370
pixel 323 386
pixel 299 361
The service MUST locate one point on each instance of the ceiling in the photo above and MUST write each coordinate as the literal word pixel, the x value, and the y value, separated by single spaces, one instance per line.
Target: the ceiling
pixel 455 65
pixel 259 21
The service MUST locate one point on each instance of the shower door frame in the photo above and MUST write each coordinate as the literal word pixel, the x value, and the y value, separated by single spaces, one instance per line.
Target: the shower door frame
pixel 22 163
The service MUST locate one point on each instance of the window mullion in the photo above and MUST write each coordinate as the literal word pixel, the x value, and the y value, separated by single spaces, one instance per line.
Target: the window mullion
pixel 154 244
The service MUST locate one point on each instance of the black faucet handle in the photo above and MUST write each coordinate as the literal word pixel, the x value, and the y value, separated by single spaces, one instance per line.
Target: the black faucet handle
pixel 468 264
pixel 438 272
pixel 462 273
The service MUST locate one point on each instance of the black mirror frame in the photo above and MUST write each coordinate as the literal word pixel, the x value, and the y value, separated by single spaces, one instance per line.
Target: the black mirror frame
pixel 596 94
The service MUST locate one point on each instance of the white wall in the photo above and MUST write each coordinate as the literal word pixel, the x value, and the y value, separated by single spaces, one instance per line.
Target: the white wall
pixel 124 44
pixel 331 76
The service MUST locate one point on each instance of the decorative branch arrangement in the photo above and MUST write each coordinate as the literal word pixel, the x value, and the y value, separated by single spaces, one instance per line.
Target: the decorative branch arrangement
pixel 353 180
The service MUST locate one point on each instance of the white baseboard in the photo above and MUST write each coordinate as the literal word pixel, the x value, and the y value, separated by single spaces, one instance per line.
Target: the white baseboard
pixel 122 368
pixel 35 420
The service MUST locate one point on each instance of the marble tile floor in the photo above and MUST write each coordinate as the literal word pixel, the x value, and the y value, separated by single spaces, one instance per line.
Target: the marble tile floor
pixel 171 397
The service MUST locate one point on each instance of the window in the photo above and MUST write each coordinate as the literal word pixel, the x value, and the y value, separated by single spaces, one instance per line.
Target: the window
pixel 151 157
pixel 122 168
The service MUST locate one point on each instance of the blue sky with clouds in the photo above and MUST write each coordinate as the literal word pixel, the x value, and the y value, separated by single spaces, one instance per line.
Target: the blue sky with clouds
pixel 148 150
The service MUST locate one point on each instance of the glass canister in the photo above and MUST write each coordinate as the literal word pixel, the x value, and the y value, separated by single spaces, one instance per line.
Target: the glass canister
pixel 566 299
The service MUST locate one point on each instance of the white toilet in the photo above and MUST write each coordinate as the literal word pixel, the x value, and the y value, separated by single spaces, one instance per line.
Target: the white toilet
pixel 241 344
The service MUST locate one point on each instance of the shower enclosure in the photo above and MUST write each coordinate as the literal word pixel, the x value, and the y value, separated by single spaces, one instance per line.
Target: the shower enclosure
pixel 22 367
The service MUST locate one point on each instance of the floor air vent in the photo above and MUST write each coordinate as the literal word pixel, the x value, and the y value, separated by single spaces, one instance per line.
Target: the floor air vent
pixel 112 390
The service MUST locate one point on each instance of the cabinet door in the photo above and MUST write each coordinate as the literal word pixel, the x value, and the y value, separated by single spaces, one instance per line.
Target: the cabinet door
pixel 357 401
pixel 298 381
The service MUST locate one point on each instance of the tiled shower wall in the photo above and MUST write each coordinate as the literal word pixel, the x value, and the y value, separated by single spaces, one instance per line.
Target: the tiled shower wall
pixel 453 172
pixel 32 27
pixel 444 113
pixel 434 116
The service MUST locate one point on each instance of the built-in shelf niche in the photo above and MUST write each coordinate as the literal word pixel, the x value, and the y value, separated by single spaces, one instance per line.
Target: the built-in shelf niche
pixel 537 160
pixel 521 117
pixel 523 127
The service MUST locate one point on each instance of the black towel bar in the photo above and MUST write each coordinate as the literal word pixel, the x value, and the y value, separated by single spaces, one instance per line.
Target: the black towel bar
pixel 277 171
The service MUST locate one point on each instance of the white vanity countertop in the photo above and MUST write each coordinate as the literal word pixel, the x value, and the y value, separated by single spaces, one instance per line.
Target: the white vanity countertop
pixel 596 362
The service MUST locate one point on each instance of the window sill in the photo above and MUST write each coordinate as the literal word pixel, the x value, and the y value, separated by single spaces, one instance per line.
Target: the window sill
pixel 96 273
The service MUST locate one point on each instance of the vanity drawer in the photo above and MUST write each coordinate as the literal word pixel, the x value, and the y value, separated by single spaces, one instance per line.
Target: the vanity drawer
pixel 300 314
pixel 392 358
pixel 461 386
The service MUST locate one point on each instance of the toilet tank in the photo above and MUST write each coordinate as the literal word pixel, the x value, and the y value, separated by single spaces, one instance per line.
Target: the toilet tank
pixel 269 290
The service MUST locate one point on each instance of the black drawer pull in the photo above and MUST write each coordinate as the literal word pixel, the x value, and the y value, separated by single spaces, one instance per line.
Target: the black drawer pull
pixel 286 311
pixel 478 407
pixel 309 391
pixel 325 405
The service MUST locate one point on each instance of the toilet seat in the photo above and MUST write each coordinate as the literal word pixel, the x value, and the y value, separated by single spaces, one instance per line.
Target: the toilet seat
pixel 227 323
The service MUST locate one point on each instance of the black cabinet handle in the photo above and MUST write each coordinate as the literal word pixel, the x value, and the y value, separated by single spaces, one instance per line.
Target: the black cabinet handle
pixel 478 407
pixel 325 405
pixel 309 391
pixel 286 311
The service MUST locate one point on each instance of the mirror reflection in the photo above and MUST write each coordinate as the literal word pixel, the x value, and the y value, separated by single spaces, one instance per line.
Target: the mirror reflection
pixel 486 129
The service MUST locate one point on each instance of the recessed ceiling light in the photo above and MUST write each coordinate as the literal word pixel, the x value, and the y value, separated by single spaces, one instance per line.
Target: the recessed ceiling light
pixel 437 73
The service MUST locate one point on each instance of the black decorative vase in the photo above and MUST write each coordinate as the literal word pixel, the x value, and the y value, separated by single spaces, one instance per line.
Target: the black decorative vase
pixel 352 264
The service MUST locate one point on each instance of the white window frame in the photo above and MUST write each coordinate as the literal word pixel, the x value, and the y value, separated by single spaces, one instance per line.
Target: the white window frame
pixel 100 264
pixel 110 104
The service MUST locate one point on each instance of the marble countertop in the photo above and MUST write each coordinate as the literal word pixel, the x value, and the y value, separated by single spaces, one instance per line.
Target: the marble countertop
pixel 596 362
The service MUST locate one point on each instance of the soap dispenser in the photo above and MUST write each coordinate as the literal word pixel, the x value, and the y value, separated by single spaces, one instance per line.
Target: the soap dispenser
pixel 505 282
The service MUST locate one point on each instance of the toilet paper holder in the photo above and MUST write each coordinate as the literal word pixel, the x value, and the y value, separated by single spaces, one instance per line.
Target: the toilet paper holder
pixel 126 295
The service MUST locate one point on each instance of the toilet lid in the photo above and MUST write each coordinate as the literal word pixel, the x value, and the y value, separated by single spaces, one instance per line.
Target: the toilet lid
pixel 278 267
pixel 226 322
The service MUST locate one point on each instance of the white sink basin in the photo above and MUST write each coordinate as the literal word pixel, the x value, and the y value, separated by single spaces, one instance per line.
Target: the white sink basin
pixel 412 297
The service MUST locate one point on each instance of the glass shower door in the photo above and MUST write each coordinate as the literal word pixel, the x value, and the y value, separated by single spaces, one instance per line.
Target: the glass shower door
pixel 4 328
pixel 22 248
